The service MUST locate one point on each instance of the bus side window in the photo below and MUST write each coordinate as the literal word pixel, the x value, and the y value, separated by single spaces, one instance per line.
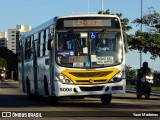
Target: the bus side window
pixel 25 49
pixel 44 43
pixel 47 38
pixel 39 45
pixel 29 48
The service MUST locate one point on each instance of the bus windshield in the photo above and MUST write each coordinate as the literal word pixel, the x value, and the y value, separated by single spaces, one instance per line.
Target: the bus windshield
pixel 89 49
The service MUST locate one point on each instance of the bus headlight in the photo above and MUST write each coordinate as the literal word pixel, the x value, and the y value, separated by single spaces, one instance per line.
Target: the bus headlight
pixel 116 78
pixel 63 79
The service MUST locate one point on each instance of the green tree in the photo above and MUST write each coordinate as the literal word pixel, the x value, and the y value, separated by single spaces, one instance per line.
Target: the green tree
pixel 145 42
pixel 130 73
pixel 124 21
pixel 149 40
pixel 3 63
pixel 151 21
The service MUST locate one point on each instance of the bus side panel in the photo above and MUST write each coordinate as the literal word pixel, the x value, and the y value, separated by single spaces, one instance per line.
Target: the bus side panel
pixel 43 65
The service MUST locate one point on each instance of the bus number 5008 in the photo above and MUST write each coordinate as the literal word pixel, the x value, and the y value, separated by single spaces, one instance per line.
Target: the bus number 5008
pixel 65 89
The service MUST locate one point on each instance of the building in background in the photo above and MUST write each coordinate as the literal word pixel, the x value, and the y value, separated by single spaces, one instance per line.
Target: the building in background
pixel 3 39
pixel 14 34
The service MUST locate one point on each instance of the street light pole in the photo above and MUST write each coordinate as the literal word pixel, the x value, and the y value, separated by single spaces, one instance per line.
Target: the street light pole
pixel 102 6
pixel 141 31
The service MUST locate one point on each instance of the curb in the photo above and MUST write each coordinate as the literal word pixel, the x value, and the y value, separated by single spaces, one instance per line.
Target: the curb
pixel 132 90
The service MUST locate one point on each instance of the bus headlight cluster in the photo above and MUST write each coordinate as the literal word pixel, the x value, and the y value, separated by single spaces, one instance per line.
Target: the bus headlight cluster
pixel 117 77
pixel 63 79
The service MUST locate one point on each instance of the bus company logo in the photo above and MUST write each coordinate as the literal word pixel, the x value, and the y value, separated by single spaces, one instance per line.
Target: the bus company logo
pixel 65 89
pixel 91 80
pixel 6 114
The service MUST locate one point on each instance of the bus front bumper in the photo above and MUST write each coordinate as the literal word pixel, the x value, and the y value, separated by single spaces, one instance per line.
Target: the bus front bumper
pixel 89 90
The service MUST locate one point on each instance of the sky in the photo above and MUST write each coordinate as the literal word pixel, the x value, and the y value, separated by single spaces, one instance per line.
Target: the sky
pixel 35 12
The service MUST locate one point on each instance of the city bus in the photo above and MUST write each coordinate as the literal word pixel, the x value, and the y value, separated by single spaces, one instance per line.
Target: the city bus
pixel 62 57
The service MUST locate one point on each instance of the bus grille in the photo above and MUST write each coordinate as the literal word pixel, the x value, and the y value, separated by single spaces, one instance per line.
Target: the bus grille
pixel 95 88
pixel 90 74
pixel 90 77
pixel 94 81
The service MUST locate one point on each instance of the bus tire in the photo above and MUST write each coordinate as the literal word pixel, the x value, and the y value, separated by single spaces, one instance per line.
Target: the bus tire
pixel 106 99
pixel 28 89
pixel 139 96
pixel 147 96
pixel 54 100
pixel 46 92
pixel 24 89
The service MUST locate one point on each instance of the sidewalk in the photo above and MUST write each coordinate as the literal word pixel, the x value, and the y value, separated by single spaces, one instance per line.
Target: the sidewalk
pixel 11 81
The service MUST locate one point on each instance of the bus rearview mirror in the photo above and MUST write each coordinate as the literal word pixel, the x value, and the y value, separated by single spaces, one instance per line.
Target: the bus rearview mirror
pixel 125 42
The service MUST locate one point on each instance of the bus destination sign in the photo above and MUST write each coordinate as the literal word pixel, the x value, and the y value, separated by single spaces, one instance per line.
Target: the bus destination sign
pixel 87 23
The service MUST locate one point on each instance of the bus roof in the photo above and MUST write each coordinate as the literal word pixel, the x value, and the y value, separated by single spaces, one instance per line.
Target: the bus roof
pixel 87 15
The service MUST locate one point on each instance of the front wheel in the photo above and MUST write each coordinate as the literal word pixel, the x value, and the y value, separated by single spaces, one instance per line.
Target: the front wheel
pixel 147 96
pixel 29 94
pixel 106 99
pixel 28 89
pixel 54 100
pixel 139 96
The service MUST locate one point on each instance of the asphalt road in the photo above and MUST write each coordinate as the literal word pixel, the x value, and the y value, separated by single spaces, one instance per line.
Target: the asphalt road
pixel 122 106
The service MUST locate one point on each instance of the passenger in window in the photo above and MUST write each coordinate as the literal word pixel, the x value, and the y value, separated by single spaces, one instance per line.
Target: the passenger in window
pixel 103 46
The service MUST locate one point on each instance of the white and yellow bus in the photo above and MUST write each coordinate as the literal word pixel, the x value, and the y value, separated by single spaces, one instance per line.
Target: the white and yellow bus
pixel 62 57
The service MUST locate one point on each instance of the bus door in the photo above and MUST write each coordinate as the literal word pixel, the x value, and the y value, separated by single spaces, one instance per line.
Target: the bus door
pixel 35 65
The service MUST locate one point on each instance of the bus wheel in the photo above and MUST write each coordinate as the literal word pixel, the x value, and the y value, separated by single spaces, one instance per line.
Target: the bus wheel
pixel 46 87
pixel 54 100
pixel 106 99
pixel 28 88
pixel 23 87
pixel 147 96
pixel 139 96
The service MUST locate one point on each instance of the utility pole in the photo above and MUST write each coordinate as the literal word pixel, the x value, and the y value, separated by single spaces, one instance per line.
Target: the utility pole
pixel 141 31
pixel 102 6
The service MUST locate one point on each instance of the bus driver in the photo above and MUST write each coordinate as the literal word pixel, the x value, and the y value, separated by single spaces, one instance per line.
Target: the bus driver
pixel 103 46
